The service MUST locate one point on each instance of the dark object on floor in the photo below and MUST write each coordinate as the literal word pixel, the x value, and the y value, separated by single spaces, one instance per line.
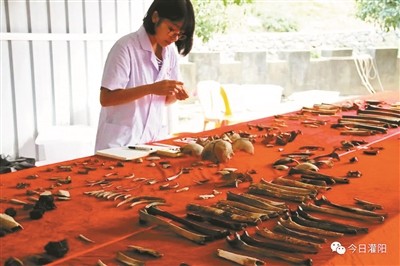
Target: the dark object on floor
pixel 12 261
pixel 11 212
pixel 8 165
pixel 57 249
pixel 36 214
pixel 45 202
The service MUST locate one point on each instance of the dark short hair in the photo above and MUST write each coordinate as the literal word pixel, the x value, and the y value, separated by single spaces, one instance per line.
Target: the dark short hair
pixel 174 10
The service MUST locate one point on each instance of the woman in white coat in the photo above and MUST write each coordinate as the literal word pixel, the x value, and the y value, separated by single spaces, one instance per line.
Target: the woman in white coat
pixel 141 76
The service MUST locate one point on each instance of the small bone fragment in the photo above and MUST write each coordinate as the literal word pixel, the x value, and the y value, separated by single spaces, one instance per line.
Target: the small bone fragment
pixel 18 202
pixel 147 251
pixel 85 238
pixel 206 196
pixel 243 144
pixel 121 257
pixel 193 149
pixel 239 259
pixel 174 176
pixel 306 166
pixel 8 223
pixel 182 189
pixel 100 263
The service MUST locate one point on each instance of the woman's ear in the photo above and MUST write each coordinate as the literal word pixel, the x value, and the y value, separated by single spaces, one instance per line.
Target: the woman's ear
pixel 154 17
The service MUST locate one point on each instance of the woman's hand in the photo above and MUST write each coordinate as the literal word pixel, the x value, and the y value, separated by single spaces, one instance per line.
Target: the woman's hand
pixel 171 88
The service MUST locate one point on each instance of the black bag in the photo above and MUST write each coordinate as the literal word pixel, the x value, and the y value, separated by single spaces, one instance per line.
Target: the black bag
pixel 8 165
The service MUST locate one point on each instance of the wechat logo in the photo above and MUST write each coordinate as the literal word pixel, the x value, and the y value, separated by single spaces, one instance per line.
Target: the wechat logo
pixel 338 248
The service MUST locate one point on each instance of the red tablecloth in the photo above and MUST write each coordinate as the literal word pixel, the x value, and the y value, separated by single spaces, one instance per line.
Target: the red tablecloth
pixel 114 228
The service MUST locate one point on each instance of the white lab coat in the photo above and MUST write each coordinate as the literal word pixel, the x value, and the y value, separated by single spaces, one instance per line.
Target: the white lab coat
pixel 131 62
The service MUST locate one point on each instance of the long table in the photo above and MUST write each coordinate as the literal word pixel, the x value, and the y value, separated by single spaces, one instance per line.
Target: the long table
pixel 114 228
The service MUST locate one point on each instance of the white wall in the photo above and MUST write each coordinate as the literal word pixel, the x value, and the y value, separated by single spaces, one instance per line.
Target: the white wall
pixel 52 55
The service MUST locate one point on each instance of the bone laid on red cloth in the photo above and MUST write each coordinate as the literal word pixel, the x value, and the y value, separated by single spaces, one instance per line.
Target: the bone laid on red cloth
pixel 114 228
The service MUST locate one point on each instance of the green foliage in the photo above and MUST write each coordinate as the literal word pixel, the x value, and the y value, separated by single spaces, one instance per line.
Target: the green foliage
pixel 385 13
pixel 278 24
pixel 211 17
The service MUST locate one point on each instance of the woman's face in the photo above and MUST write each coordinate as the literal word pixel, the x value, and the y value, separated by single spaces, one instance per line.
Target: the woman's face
pixel 167 31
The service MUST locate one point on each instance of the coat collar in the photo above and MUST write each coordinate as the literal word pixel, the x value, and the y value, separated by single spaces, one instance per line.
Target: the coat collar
pixel 146 45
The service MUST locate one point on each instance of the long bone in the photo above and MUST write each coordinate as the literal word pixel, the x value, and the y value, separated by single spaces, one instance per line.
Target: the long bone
pixel 308 216
pixel 289 223
pixel 312 174
pixel 368 205
pixel 247 199
pixel 359 125
pixel 357 132
pixel 342 213
pixel 253 215
pixel 291 182
pixel 265 233
pixel 318 178
pixel 324 201
pixel 280 228
pixel 366 121
pixel 284 195
pixel 274 244
pixel 217 221
pixel 249 208
pixel 302 221
pixel 237 243
pixel 214 233
pixel 375 107
pixel 314 182
pixel 333 155
pixel 145 217
pixel 218 212
pixel 291 189
pixel 386 119
pixel 239 259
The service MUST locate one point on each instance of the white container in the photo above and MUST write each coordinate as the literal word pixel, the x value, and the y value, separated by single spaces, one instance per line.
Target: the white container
pixel 62 143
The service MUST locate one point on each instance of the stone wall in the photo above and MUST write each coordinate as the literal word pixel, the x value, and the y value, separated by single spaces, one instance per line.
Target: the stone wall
pixel 297 61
